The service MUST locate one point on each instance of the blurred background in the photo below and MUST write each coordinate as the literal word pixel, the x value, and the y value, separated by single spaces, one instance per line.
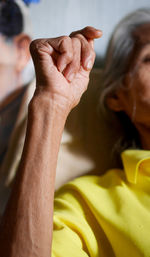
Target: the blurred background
pixel 51 18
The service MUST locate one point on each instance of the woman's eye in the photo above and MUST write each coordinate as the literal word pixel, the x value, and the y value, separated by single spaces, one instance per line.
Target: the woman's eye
pixel 146 59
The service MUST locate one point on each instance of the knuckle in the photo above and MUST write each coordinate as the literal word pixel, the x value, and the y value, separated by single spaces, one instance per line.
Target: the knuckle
pixel 65 40
pixel 66 46
pixel 80 36
pixel 83 41
pixel 72 33
pixel 35 46
pixel 76 43
pixel 87 28
pixel 75 40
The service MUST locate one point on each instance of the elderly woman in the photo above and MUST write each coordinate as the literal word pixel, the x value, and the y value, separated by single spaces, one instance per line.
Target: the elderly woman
pixel 94 215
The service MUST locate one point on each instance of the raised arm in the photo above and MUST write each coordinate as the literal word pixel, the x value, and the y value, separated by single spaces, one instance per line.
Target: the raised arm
pixel 62 68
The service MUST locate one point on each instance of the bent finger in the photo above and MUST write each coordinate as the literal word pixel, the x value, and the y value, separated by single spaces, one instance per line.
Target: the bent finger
pixel 87 52
pixel 60 48
pixel 63 45
pixel 75 65
pixel 88 32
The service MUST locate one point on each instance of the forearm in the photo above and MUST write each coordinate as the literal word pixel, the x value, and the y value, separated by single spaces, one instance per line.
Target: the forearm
pixel 27 224
pixel 62 67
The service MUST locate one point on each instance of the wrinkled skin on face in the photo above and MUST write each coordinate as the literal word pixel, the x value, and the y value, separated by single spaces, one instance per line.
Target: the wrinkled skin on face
pixel 134 96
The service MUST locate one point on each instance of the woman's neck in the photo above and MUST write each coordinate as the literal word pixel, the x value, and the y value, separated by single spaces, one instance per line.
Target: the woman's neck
pixel 144 134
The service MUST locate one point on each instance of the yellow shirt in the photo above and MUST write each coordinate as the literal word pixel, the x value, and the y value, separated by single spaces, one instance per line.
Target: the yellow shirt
pixel 105 216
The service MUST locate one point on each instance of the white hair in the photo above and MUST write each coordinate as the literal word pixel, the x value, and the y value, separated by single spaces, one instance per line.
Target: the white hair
pixel 119 50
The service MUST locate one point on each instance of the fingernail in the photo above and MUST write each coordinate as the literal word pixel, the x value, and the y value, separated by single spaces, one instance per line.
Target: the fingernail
pixel 100 32
pixel 89 65
pixel 70 77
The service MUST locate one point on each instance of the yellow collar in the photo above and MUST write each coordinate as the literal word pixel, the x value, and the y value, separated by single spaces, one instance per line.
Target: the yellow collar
pixel 135 161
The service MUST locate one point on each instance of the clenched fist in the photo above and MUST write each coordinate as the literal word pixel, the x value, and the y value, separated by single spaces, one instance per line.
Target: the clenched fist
pixel 63 64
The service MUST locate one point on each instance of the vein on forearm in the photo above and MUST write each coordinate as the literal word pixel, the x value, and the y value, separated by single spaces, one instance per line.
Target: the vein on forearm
pixel 27 223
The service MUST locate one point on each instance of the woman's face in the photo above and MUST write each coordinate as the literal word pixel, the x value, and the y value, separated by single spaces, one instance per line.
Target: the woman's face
pixel 134 96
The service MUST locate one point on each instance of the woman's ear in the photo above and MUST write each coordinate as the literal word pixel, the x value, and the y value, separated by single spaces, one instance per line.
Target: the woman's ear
pixel 114 102
pixel 22 43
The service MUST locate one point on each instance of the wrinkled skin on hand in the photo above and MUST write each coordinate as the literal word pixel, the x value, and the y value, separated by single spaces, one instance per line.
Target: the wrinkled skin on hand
pixel 63 64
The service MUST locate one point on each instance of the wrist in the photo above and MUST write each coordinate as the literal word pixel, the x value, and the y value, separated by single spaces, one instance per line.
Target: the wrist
pixel 43 99
pixel 44 103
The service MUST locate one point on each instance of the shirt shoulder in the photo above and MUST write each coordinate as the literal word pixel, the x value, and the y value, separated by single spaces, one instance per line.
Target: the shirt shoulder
pixel 85 185
pixel 75 215
pixel 97 193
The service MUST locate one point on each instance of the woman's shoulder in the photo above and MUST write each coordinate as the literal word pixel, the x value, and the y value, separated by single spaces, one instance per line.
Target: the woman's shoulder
pixel 110 178
pixel 92 187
